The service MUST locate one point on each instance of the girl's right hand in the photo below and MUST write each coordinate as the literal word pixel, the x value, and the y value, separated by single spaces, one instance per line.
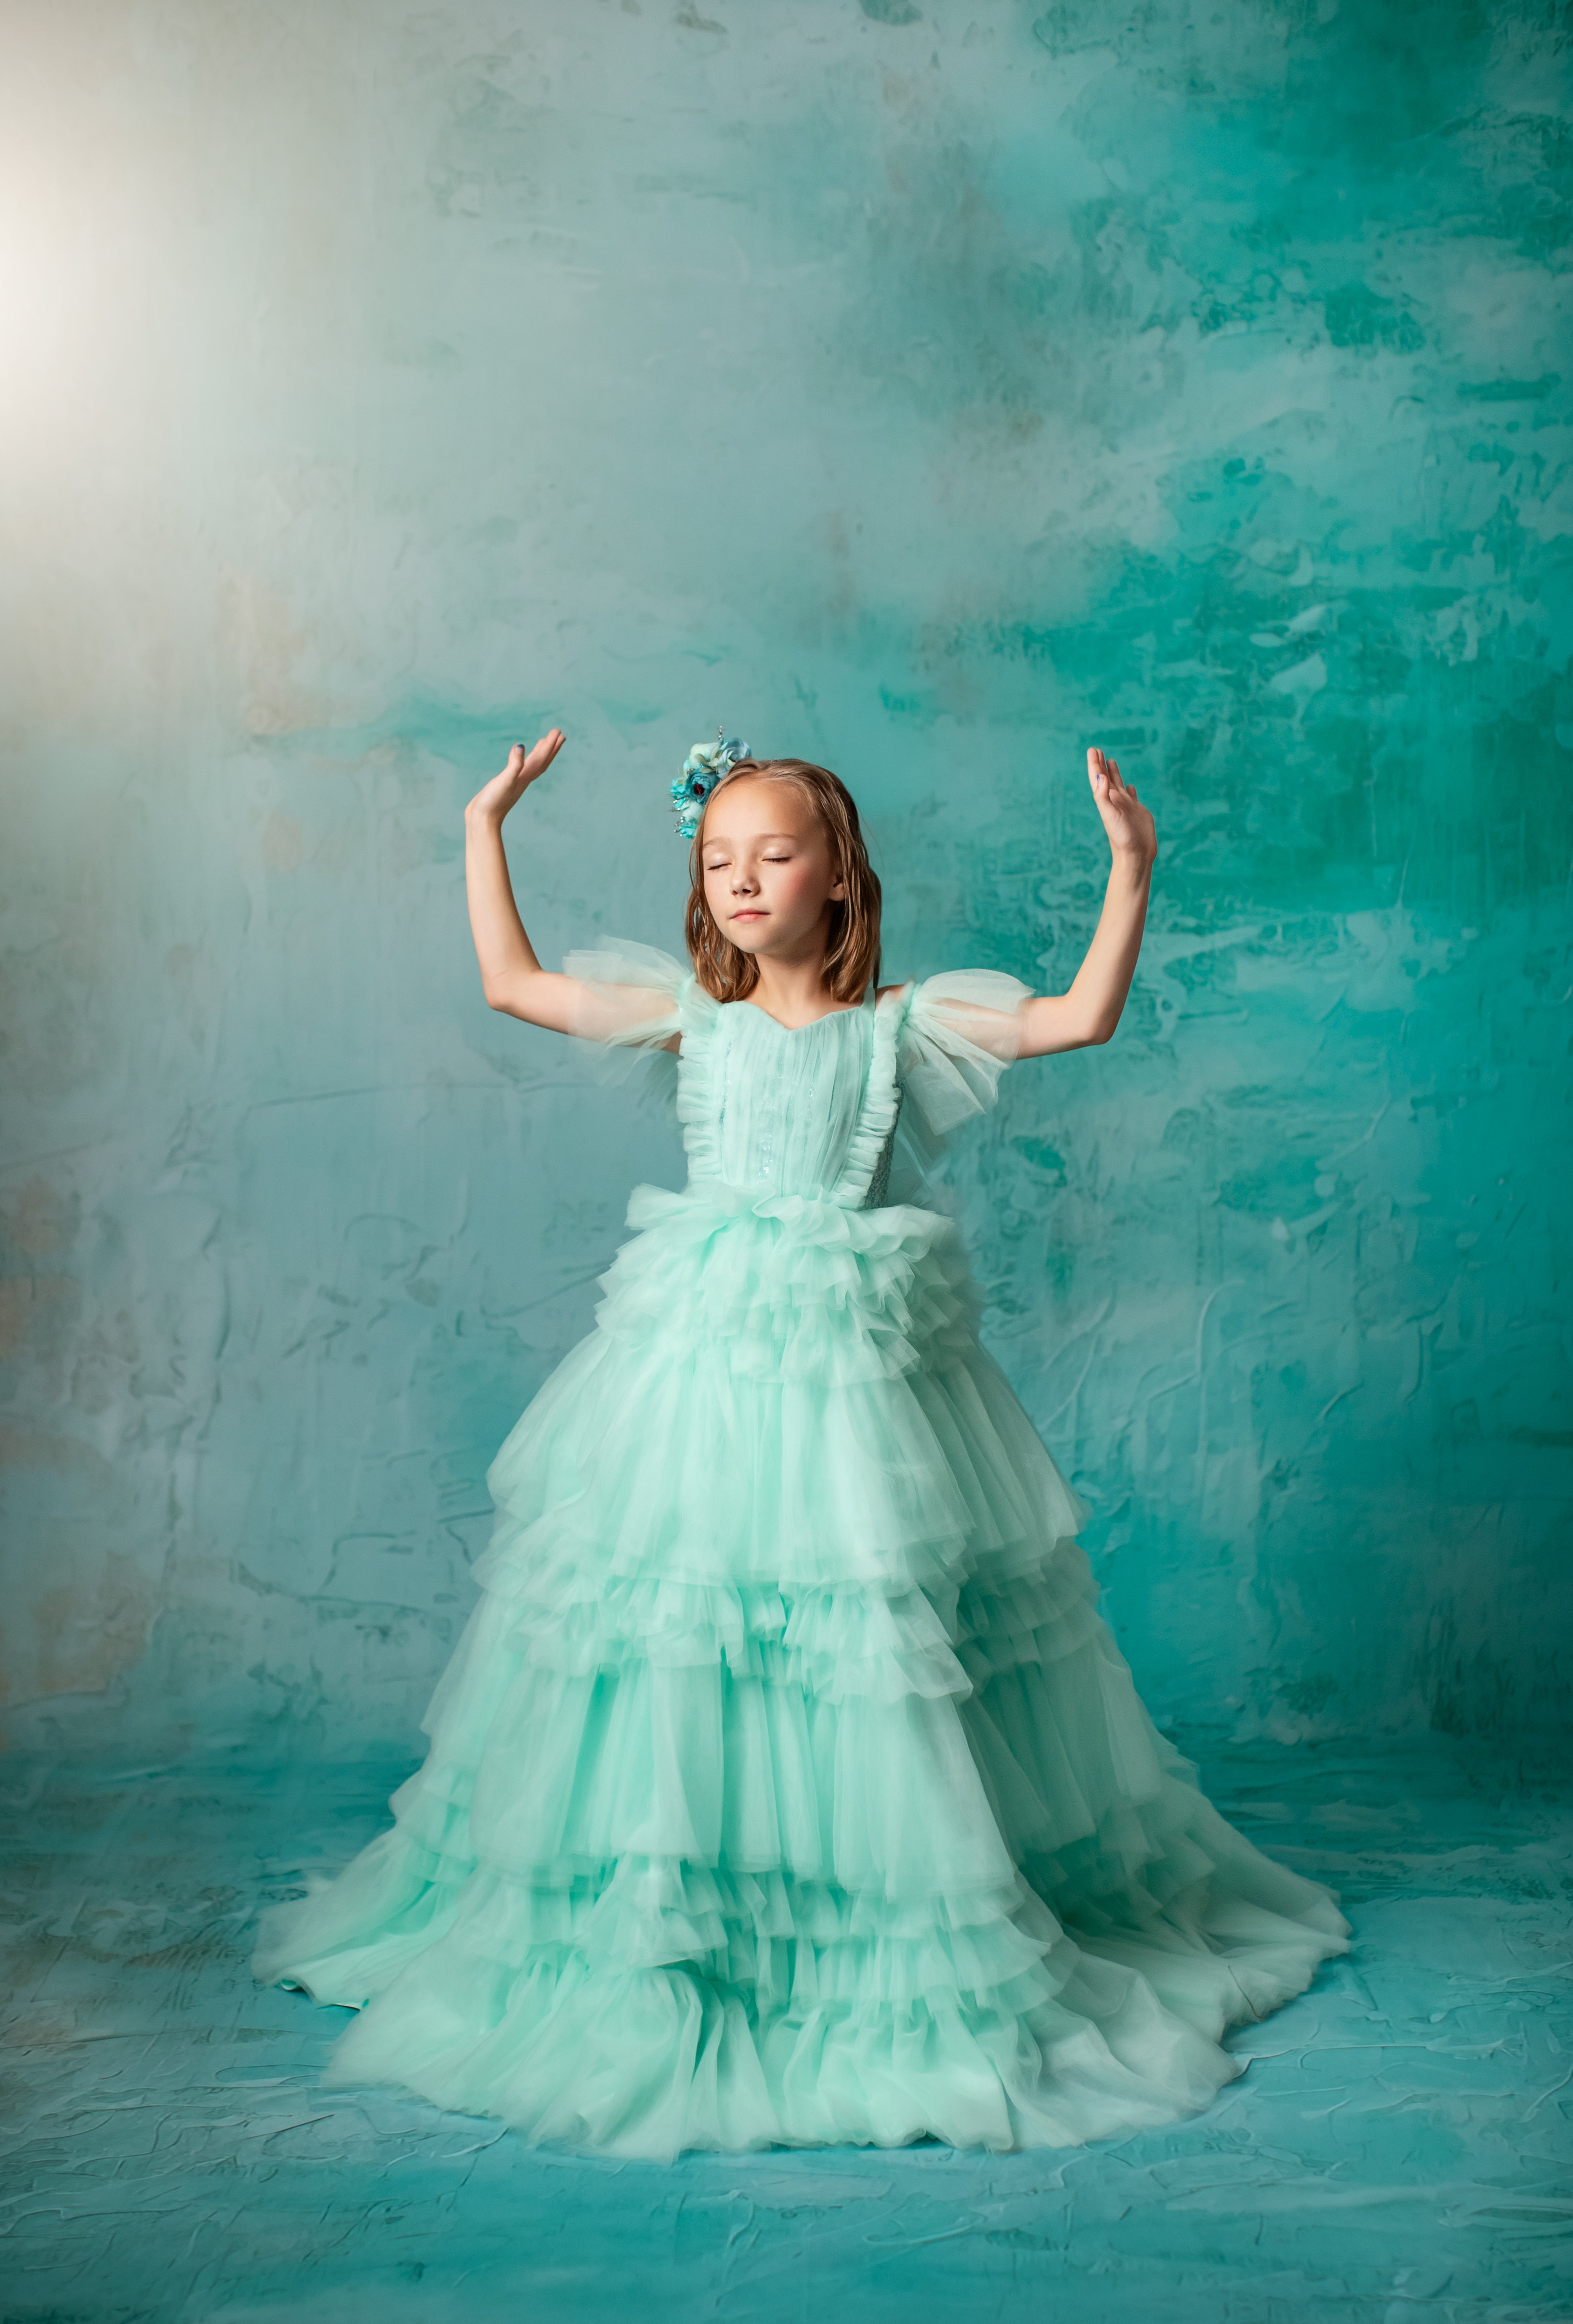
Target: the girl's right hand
pixel 503 792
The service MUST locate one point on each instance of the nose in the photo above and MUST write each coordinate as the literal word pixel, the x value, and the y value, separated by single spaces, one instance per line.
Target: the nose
pixel 742 880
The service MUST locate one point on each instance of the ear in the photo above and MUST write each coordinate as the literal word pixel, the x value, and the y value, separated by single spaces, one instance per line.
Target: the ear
pixel 838 894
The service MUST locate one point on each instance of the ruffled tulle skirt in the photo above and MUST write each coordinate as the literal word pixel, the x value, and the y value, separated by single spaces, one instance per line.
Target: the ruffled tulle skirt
pixel 786 1785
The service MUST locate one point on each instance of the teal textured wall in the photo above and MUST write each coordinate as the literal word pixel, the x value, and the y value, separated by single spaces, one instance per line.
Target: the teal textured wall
pixel 928 389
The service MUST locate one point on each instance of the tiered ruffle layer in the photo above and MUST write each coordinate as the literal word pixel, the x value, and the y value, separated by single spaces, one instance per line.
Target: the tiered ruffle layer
pixel 786 1786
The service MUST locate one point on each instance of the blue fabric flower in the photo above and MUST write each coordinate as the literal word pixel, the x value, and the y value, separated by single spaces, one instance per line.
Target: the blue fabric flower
pixel 703 768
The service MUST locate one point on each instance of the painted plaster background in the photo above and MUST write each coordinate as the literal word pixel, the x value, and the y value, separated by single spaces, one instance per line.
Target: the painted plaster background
pixel 928 389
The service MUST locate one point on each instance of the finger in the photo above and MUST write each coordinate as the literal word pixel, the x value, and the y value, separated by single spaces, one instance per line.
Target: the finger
pixel 544 751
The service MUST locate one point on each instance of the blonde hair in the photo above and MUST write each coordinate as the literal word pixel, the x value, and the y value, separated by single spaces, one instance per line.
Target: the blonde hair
pixel 851 956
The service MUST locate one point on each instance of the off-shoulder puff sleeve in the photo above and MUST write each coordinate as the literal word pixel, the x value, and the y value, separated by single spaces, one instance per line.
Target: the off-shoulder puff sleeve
pixel 958 1034
pixel 630 994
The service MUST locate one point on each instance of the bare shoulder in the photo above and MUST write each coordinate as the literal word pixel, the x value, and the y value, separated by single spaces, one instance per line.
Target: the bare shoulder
pixel 883 991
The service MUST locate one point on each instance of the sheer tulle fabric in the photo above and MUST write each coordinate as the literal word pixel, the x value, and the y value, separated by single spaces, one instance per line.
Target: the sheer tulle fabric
pixel 628 994
pixel 786 1786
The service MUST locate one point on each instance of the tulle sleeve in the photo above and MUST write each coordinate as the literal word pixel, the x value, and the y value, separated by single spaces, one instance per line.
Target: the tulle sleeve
pixel 958 1034
pixel 631 994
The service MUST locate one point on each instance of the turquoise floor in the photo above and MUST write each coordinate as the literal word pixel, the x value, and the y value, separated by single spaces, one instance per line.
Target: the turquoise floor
pixel 1399 2149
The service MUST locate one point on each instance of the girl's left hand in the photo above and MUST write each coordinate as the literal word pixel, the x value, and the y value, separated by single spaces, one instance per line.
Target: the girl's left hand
pixel 1131 830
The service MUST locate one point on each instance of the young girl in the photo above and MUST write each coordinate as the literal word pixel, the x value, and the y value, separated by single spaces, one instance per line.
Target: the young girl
pixel 786 1786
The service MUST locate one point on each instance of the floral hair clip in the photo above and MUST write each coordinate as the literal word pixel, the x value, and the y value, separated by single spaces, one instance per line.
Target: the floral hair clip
pixel 703 768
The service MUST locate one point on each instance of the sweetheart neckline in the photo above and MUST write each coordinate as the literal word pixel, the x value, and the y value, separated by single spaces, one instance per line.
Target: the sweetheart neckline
pixel 808 1024
pixel 873 1001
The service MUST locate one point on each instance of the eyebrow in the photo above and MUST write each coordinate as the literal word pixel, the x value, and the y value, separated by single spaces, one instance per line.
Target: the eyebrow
pixel 720 840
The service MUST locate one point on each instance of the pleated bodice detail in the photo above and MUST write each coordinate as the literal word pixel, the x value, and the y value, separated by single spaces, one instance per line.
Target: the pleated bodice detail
pixel 768 1109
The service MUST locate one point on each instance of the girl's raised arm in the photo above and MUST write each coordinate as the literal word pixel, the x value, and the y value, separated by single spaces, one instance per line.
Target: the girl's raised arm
pixel 511 978
pixel 1090 1011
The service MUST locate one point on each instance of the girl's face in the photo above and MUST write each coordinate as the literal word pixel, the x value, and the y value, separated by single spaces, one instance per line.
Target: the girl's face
pixel 769 878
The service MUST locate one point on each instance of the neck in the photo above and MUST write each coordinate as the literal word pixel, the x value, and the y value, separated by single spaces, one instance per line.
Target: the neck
pixel 794 990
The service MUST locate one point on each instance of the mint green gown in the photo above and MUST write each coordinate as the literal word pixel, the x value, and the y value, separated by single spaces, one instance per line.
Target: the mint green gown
pixel 786 1785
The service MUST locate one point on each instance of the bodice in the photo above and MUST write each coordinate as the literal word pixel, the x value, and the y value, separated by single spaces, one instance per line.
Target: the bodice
pixel 771 1109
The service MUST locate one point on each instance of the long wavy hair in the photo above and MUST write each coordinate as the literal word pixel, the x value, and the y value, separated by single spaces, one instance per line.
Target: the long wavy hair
pixel 851 956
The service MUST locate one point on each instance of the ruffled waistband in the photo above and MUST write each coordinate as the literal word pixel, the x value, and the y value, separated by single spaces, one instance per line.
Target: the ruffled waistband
pixel 823 1214
pixel 793 1286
